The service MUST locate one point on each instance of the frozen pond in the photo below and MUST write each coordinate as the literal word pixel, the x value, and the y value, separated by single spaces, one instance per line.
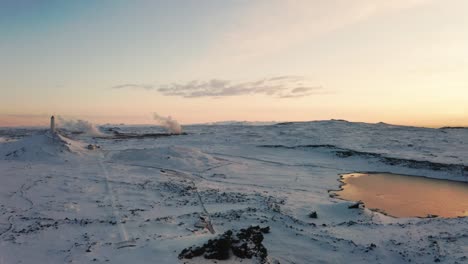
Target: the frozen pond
pixel 406 196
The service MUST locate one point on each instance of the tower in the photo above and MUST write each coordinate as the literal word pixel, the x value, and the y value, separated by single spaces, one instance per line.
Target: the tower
pixel 52 124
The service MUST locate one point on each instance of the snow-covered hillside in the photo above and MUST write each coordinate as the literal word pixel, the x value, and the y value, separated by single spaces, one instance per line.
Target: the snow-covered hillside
pixel 144 200
pixel 43 146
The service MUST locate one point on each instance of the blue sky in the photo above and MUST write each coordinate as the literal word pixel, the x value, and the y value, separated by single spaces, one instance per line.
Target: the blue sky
pixel 403 61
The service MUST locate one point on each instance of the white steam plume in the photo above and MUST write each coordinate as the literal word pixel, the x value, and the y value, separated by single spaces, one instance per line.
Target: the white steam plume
pixel 170 124
pixel 79 125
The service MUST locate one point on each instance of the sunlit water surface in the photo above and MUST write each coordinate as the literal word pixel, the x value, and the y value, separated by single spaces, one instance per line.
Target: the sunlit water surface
pixel 406 196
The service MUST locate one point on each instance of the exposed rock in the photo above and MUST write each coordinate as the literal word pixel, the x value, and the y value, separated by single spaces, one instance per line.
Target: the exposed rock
pixel 247 243
pixel 313 214
pixel 93 147
pixel 356 205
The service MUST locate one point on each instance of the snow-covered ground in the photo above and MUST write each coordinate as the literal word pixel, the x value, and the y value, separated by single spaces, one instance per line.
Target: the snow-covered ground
pixel 140 200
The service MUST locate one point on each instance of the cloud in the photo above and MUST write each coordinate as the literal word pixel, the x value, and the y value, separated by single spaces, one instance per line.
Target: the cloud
pixel 281 87
pixel 301 90
pixel 133 86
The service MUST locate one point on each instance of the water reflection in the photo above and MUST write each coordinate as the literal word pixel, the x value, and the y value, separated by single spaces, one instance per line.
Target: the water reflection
pixel 406 196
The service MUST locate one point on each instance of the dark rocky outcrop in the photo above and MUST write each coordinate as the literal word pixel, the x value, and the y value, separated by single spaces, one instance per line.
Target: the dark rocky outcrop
pixel 356 205
pixel 313 214
pixel 246 243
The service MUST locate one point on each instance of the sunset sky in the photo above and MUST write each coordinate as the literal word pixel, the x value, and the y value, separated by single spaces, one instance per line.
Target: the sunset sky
pixel 399 61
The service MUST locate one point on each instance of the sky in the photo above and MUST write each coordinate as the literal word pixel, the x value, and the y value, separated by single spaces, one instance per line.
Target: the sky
pixel 116 61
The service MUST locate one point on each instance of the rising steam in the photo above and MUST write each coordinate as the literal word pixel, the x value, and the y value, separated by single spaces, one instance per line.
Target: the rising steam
pixel 79 126
pixel 170 124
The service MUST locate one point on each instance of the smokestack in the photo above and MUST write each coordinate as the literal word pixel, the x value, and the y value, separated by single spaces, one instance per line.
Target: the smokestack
pixel 52 124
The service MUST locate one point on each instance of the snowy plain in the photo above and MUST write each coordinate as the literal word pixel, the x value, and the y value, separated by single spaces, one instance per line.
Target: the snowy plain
pixel 139 200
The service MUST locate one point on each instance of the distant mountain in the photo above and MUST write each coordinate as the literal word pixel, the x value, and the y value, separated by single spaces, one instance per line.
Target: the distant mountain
pixel 449 127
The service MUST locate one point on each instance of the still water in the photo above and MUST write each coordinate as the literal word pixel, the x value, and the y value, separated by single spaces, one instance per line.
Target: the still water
pixel 406 196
